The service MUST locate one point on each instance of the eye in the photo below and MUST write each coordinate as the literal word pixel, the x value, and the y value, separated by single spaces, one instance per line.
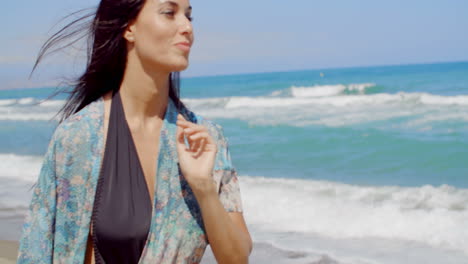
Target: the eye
pixel 189 17
pixel 169 13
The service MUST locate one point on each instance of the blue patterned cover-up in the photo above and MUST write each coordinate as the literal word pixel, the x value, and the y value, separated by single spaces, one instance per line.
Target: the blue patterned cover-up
pixel 57 224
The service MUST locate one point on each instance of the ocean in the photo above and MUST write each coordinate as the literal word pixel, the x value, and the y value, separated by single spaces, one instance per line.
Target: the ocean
pixel 352 165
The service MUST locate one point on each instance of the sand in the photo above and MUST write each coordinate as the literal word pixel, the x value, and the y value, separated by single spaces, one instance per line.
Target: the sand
pixel 8 252
pixel 262 253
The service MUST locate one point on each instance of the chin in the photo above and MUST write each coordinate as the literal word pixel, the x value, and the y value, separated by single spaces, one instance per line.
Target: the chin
pixel 179 65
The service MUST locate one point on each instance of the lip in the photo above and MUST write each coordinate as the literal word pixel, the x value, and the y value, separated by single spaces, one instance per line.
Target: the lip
pixel 185 46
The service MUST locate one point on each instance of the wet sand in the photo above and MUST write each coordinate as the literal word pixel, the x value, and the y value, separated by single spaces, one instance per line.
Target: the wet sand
pixel 8 252
pixel 262 254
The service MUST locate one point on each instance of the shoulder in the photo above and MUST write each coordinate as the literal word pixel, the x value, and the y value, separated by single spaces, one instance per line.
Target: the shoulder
pixel 90 113
pixel 79 127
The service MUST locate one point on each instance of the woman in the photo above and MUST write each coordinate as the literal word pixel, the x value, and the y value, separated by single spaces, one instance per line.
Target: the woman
pixel 131 175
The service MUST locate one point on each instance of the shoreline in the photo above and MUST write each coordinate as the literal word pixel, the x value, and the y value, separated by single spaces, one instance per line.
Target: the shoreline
pixel 263 253
pixel 8 251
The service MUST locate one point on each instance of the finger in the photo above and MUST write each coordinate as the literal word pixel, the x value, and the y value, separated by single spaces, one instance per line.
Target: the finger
pixel 199 135
pixel 190 126
pixel 183 142
pixel 187 144
pixel 196 138
pixel 194 130
pixel 205 145
pixel 204 134
pixel 185 123
pixel 180 116
pixel 210 140
pixel 201 147
pixel 190 142
pixel 180 138
pixel 195 145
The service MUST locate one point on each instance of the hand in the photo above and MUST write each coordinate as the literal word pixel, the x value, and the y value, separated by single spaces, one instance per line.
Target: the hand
pixel 197 160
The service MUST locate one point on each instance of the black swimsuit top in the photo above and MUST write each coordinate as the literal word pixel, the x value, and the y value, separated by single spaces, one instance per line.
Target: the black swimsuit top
pixel 122 207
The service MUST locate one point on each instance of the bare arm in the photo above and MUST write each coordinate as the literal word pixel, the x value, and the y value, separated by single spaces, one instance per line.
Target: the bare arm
pixel 227 232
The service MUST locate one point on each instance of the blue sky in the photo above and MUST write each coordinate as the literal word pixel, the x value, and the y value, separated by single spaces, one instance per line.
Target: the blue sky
pixel 261 36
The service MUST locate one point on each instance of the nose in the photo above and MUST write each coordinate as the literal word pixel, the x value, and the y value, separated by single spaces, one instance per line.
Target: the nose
pixel 186 26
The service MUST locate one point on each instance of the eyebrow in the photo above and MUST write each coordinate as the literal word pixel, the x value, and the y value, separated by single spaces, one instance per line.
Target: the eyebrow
pixel 172 3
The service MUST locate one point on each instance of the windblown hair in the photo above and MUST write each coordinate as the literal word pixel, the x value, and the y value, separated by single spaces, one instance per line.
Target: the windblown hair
pixel 106 53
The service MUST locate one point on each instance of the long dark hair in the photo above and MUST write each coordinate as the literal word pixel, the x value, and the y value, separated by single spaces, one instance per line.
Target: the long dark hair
pixel 106 53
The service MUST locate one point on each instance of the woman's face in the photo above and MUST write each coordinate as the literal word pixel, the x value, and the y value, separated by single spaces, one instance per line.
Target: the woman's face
pixel 162 35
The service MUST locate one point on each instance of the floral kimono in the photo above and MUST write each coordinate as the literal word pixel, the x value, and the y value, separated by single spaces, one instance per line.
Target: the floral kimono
pixel 57 225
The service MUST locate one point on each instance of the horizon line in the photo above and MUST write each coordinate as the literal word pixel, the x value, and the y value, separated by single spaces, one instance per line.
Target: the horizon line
pixel 41 86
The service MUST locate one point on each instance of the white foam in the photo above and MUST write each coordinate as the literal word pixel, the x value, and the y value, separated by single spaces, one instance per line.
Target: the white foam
pixel 17 176
pixel 29 101
pixel 352 250
pixel 305 106
pixel 267 253
pixel 28 116
pixel 25 109
pixel 435 216
pixel 53 103
pixel 317 91
pixel 409 109
pixel 416 99
pixel 24 168
pixel 430 99
pixel 343 221
pixel 7 102
pixel 322 90
pixel 360 87
pixel 26 101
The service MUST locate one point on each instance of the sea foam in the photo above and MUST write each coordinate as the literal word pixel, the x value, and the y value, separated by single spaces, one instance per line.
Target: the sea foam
pixel 24 168
pixel 416 111
pixel 426 215
pixel 313 219
pixel 330 105
pixel 25 109
pixel 436 215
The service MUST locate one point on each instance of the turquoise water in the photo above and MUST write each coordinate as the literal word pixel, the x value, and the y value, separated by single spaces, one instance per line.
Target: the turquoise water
pixel 408 128
pixel 364 165
pixel 393 125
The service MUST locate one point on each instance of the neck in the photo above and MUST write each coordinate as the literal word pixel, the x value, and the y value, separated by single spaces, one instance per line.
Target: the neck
pixel 144 97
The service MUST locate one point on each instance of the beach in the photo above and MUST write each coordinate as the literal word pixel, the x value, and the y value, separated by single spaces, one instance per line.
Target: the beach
pixel 262 254
pixel 345 166
pixel 8 252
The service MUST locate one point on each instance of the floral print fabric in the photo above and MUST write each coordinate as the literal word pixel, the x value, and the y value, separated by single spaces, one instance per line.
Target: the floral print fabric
pixel 57 225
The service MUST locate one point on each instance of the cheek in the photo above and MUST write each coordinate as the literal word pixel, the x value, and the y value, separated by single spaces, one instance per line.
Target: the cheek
pixel 154 44
pixel 153 40
pixel 154 32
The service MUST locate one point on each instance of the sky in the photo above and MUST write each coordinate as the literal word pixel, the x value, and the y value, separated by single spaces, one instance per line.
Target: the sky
pixel 244 36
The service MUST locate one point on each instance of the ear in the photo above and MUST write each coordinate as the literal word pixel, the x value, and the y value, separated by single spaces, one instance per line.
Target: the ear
pixel 129 33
